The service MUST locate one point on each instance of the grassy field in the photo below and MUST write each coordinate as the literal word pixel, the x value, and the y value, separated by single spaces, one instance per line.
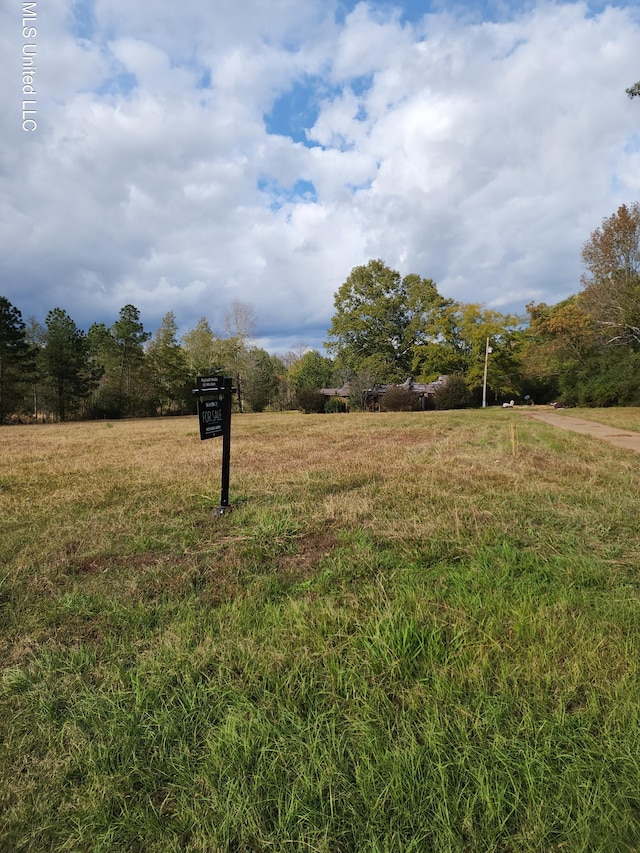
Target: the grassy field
pixel 415 632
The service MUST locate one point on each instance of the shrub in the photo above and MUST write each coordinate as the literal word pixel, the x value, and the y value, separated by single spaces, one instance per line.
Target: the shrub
pixel 335 404
pixel 398 399
pixel 453 394
pixel 310 401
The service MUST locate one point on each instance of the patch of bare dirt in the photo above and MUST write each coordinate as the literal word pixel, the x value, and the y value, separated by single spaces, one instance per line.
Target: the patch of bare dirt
pixel 311 549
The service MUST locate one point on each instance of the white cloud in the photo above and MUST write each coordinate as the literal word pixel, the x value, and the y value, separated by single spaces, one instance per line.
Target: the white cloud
pixel 479 154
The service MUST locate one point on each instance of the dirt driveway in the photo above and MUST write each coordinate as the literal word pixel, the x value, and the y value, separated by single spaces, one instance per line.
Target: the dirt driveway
pixel 617 437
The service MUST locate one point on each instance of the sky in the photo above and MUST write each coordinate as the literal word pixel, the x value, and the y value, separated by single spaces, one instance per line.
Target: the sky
pixel 185 156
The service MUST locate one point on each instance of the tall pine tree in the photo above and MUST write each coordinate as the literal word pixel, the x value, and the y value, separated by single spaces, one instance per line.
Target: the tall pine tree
pixel 66 361
pixel 16 358
pixel 129 336
pixel 167 368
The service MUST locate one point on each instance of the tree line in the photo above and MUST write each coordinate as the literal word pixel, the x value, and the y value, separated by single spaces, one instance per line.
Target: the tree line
pixel 56 371
pixel 583 350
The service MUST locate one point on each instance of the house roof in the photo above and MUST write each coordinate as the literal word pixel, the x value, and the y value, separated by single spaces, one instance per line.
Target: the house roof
pixel 337 392
pixel 379 390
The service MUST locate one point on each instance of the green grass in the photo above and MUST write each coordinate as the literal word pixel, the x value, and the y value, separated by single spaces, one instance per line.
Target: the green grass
pixel 415 632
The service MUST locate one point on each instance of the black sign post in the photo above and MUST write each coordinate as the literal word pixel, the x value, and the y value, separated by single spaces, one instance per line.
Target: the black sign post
pixel 214 417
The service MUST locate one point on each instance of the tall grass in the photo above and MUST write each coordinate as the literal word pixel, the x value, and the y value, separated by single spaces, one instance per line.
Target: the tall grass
pixel 415 632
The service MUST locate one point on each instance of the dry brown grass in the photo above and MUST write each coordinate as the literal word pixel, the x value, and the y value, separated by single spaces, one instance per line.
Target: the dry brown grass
pixel 98 489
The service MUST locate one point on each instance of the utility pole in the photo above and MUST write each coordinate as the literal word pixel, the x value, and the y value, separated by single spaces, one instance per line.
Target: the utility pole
pixel 487 352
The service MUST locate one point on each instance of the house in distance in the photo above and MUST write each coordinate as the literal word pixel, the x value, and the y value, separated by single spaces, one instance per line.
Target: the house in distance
pixel 374 396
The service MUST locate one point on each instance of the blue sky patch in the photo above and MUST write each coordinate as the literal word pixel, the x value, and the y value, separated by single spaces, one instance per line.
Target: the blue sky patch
pixel 360 85
pixel 301 191
pixel 304 190
pixel 118 84
pixel 296 111
pixel 412 11
pixel 632 145
pixel 366 185
pixel 205 80
pixel 83 19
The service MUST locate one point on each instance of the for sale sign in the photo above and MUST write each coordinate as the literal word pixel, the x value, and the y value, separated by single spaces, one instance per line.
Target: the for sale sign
pixel 214 416
pixel 211 418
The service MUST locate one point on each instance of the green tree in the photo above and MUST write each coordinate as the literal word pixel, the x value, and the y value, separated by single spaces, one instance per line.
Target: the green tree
pixel 167 370
pixel 66 361
pixel 202 350
pixel 379 320
pixel 280 399
pixel 565 357
pixel 313 370
pixel 129 336
pixel 36 334
pixel 611 294
pixel 455 337
pixel 16 358
pixel 634 91
pixel 104 357
pixel 453 394
pixel 608 378
pixel 557 344
pixel 286 391
pixel 261 379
